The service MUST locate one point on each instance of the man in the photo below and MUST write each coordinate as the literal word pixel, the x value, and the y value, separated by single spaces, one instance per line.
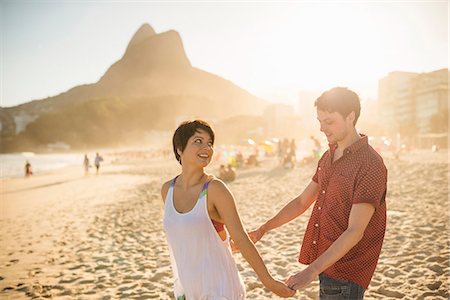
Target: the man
pixel 346 229
pixel 97 161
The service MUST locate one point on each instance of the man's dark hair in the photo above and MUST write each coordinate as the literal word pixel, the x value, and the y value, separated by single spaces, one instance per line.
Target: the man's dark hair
pixel 341 100
pixel 185 131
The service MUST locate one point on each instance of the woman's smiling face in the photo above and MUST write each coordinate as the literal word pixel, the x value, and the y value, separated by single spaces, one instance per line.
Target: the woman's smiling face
pixel 199 149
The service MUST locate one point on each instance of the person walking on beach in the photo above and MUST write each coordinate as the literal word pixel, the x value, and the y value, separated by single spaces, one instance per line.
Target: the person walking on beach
pixel 317 147
pixel 86 164
pixel 199 217
pixel 28 170
pixel 97 161
pixel 345 233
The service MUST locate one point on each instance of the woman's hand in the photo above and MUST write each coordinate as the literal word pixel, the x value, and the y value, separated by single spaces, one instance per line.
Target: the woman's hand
pixel 279 288
pixel 301 279
pixel 234 247
pixel 256 235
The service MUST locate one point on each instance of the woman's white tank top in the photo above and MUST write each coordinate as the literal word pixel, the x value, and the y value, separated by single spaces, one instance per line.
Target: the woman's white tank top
pixel 202 264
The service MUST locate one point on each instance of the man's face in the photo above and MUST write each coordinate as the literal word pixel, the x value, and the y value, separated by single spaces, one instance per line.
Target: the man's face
pixel 334 125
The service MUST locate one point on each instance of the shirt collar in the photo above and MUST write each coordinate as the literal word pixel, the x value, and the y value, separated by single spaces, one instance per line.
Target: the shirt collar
pixel 363 141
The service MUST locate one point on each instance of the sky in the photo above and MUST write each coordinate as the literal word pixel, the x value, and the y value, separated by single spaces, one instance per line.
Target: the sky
pixel 273 49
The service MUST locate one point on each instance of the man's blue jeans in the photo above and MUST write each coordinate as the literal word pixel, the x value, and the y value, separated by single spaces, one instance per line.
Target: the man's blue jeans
pixel 339 289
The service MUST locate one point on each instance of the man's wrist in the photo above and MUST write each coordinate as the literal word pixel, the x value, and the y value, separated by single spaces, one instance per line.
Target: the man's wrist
pixel 263 229
pixel 313 268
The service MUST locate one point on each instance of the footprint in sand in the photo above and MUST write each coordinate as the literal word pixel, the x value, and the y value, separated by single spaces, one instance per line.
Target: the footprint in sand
pixel 149 286
pixel 87 281
pixel 102 267
pixel 389 293
pixel 126 288
pixel 69 280
pixel 78 267
pixel 132 277
pixel 435 285
pixel 158 276
pixel 437 269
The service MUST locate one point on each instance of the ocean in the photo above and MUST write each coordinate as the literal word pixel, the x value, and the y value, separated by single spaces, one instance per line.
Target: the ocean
pixel 13 165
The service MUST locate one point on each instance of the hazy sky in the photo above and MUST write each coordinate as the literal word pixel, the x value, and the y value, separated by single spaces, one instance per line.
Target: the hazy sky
pixel 271 49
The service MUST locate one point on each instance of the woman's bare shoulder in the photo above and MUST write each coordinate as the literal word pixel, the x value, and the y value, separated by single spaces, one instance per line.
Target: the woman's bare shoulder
pixel 165 189
pixel 218 188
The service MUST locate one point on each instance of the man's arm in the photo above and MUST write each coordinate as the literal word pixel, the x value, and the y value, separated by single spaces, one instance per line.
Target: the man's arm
pixel 360 216
pixel 289 212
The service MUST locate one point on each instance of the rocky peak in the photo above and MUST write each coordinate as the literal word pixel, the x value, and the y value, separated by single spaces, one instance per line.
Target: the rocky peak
pixel 144 32
pixel 147 52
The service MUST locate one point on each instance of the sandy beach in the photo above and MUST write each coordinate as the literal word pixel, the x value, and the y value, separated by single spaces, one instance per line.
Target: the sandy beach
pixel 65 235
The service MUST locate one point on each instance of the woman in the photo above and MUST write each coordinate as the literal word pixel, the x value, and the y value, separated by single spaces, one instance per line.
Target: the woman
pixel 197 207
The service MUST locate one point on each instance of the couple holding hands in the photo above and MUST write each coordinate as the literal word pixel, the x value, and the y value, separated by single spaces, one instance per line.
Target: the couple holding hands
pixel 344 236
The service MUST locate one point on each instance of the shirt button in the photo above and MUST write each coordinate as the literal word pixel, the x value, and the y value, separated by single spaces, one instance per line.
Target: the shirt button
pixel 317 225
pixel 314 242
pixel 319 168
pixel 319 208
pixel 323 191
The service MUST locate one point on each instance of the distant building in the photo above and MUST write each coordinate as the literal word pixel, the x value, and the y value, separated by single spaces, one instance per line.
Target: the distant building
pixel 280 120
pixel 432 101
pixel 415 105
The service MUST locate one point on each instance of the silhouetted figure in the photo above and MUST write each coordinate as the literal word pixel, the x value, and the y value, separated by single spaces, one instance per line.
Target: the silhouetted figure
pixel 252 160
pixel 227 173
pixel 231 173
pixel 280 152
pixel 222 172
pixel 98 159
pixel 317 147
pixel 86 164
pixel 28 170
pixel 293 150
pixel 239 159
pixel 289 159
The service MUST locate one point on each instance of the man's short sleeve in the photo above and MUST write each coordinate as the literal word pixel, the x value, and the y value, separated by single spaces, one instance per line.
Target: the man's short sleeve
pixel 371 186
pixel 316 175
pixel 319 164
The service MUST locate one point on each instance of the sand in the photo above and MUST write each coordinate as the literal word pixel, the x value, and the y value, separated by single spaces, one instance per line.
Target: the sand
pixel 65 235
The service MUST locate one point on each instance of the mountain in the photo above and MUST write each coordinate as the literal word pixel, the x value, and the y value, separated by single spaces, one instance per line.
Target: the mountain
pixel 153 75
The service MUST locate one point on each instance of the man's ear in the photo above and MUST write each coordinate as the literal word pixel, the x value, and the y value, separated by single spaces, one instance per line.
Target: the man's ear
pixel 351 116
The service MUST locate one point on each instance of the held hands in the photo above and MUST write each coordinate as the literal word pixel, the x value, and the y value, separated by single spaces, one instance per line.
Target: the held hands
pixel 301 279
pixel 279 288
pixel 256 235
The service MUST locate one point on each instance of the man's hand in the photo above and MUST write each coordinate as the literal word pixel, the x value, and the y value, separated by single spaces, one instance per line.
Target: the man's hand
pixel 279 288
pixel 301 279
pixel 256 235
pixel 234 247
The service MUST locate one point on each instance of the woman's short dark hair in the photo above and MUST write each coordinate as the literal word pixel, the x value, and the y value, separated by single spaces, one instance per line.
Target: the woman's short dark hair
pixel 341 100
pixel 185 131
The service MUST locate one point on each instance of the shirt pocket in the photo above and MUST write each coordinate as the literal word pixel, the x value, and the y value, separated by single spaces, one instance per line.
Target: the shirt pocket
pixel 341 188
